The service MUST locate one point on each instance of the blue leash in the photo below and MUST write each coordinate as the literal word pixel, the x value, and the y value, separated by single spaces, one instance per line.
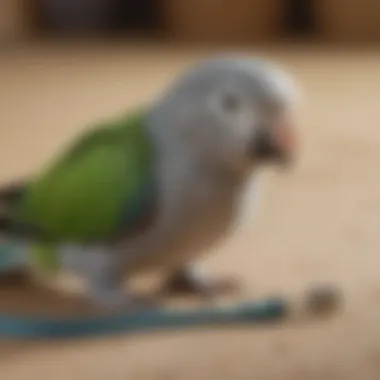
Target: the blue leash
pixel 255 312
pixel 17 327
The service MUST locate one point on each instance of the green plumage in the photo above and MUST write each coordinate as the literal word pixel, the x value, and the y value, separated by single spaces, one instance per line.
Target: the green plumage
pixel 84 195
pixel 43 257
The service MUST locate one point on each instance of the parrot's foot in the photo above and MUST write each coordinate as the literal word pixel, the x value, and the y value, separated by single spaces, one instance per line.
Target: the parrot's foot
pixel 192 283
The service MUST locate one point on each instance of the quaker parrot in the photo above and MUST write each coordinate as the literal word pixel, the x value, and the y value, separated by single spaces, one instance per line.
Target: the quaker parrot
pixel 156 188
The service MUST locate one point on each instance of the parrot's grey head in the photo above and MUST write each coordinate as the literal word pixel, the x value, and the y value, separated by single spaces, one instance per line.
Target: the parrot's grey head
pixel 236 113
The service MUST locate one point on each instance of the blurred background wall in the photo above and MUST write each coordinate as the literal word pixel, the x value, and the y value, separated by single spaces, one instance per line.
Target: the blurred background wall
pixel 211 21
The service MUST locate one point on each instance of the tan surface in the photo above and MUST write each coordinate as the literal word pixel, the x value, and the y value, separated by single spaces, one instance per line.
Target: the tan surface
pixel 318 223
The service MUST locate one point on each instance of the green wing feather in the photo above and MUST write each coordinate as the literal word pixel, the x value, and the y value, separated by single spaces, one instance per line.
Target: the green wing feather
pixel 83 195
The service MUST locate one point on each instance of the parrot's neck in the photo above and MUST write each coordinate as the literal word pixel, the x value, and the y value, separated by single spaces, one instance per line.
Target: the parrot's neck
pixel 172 146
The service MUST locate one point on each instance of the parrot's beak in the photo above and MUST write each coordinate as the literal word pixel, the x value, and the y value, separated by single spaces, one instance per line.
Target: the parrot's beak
pixel 276 143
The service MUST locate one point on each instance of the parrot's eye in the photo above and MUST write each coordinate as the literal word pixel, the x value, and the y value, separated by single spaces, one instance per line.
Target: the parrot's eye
pixel 230 103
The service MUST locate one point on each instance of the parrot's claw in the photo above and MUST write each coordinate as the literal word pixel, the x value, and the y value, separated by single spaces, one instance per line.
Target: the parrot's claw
pixel 207 288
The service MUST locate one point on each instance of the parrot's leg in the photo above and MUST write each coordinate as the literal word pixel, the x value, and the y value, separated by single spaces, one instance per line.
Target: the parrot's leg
pixel 109 294
pixel 106 290
pixel 193 281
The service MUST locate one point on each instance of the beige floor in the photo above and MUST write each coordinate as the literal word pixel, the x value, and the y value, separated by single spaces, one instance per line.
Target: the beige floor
pixel 318 223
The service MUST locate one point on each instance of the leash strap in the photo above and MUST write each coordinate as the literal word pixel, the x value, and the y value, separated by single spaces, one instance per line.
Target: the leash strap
pixel 22 327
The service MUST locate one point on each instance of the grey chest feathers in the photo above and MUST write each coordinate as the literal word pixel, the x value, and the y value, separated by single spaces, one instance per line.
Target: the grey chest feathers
pixel 197 212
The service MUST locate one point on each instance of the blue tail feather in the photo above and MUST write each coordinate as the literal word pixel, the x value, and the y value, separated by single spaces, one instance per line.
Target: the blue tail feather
pixel 11 257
